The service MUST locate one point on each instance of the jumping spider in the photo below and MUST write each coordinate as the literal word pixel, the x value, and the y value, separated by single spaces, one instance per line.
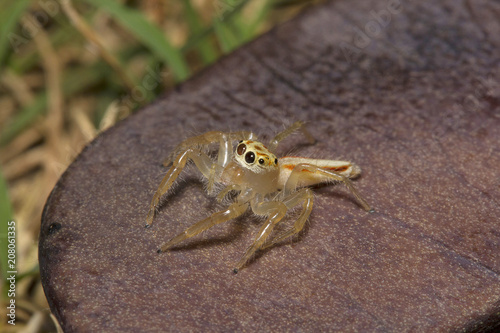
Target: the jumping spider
pixel 270 186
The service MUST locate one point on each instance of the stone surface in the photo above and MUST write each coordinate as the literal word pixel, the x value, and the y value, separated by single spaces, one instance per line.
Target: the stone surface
pixel 410 93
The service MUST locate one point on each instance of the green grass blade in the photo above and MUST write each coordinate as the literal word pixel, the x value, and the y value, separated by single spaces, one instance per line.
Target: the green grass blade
pixel 147 33
pixel 206 49
pixel 251 28
pixel 226 39
pixel 10 13
pixel 226 31
pixel 23 62
pixel 5 218
pixel 225 14
pixel 23 119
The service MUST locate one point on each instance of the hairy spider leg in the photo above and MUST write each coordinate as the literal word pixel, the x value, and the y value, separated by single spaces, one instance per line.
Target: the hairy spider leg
pixel 275 211
pixel 201 160
pixel 206 139
pixel 304 170
pixel 186 150
pixel 273 144
pixel 224 156
pixel 304 196
pixel 236 209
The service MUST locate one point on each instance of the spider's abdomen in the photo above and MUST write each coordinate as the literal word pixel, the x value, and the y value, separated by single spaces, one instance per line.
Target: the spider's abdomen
pixel 287 164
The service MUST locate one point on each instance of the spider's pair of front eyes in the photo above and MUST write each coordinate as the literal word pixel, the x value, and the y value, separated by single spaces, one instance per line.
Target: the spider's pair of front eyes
pixel 250 155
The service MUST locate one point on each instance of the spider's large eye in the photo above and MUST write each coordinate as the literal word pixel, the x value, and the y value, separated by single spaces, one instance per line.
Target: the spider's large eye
pixel 250 157
pixel 261 161
pixel 276 161
pixel 241 149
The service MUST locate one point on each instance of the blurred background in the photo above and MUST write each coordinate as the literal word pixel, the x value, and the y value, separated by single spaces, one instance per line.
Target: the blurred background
pixel 71 69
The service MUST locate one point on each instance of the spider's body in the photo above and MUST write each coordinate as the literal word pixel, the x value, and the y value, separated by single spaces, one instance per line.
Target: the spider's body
pixel 267 184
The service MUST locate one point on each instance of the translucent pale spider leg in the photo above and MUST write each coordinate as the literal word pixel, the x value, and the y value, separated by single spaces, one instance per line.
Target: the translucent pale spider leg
pixel 225 151
pixel 206 139
pixel 235 210
pixel 292 128
pixel 302 169
pixel 224 156
pixel 306 197
pixel 202 162
pixel 275 210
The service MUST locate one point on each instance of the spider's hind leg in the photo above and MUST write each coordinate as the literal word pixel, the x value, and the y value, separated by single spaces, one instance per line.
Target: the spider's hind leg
pixel 304 171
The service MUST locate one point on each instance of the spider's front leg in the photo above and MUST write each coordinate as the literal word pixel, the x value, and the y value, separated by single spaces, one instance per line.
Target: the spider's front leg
pixel 298 125
pixel 304 196
pixel 191 149
pixel 235 210
pixel 275 211
pixel 223 138
pixel 200 159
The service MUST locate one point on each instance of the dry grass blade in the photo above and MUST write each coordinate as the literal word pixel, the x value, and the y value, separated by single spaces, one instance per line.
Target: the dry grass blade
pixel 92 37
pixel 54 121
pixel 20 143
pixel 24 163
pixel 18 86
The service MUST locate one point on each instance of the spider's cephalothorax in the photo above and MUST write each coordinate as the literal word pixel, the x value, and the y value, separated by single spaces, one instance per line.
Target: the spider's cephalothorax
pixel 268 185
pixel 258 166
